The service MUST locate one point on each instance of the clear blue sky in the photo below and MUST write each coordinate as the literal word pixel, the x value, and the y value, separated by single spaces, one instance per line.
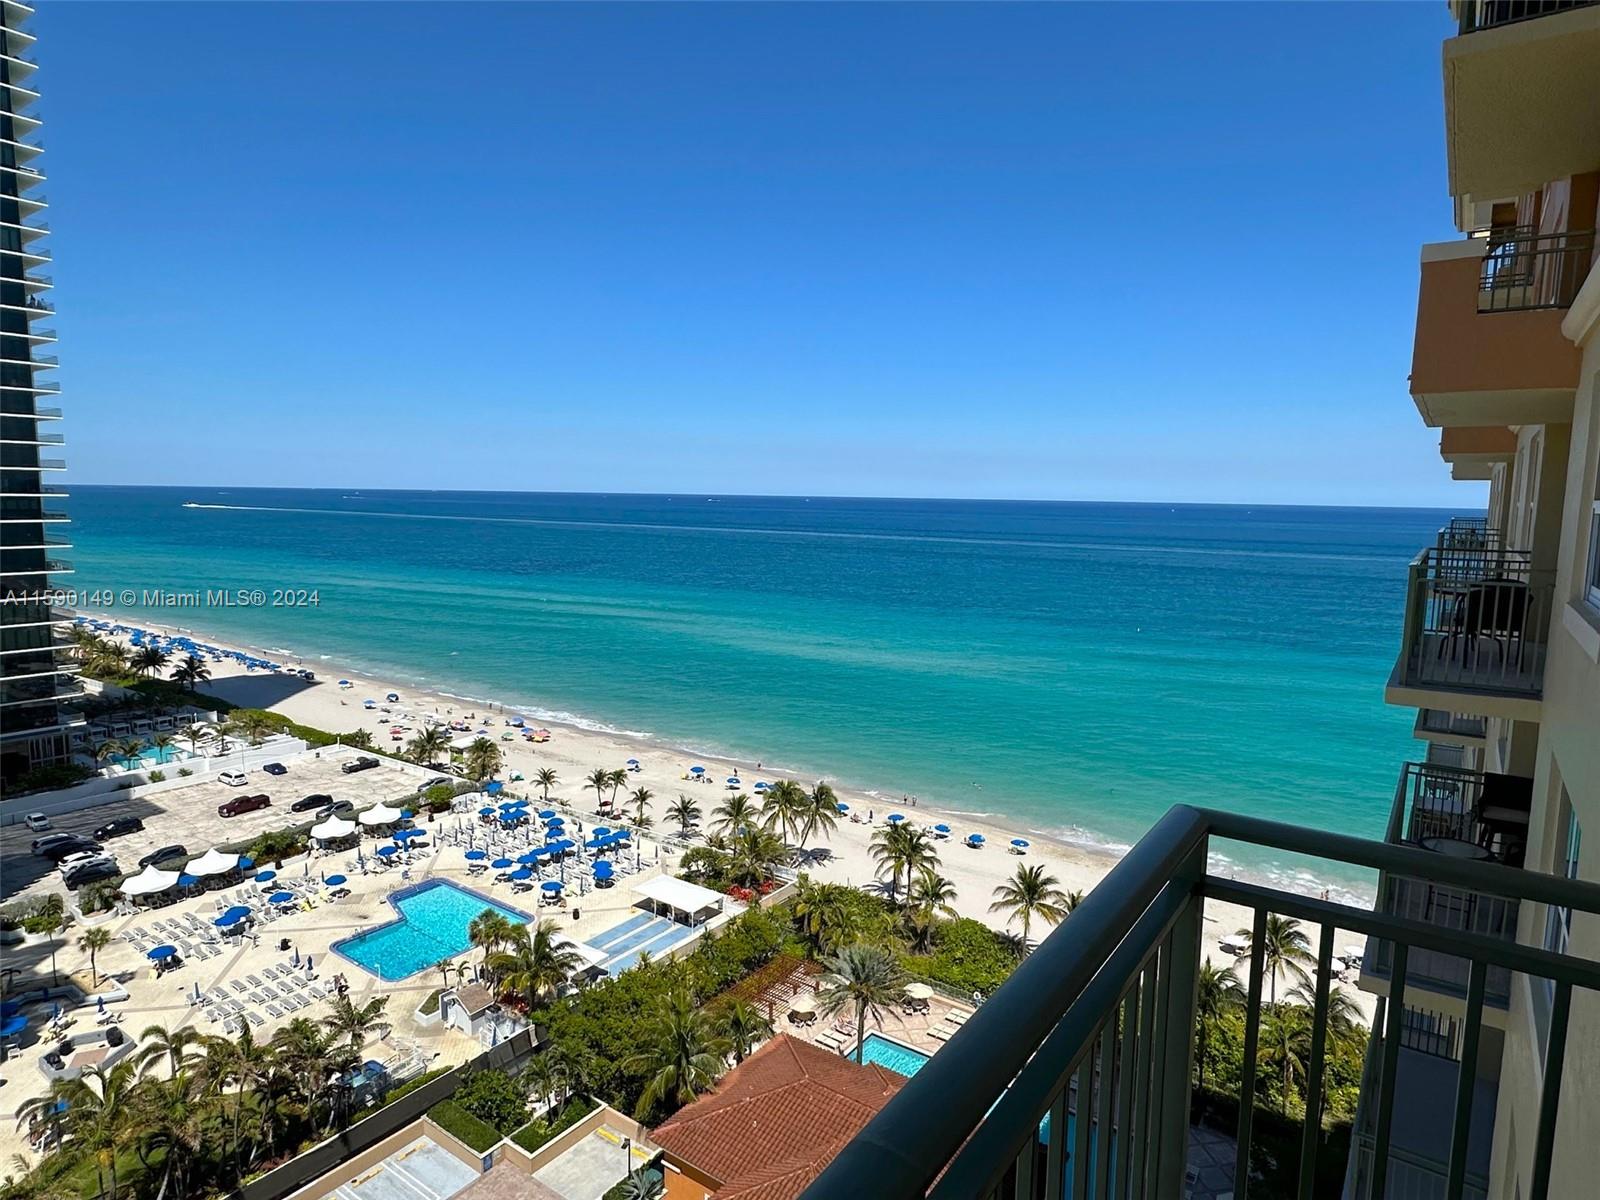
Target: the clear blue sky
pixel 1125 252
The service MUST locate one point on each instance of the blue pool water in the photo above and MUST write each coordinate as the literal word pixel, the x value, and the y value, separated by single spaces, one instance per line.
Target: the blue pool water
pixel 432 926
pixel 891 1055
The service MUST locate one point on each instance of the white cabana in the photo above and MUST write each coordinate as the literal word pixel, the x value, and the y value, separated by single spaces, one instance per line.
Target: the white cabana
pixel 680 895
pixel 380 814
pixel 149 881
pixel 463 742
pixel 332 829
pixel 212 862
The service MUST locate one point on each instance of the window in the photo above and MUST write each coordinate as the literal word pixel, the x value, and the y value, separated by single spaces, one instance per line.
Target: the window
pixel 1592 578
pixel 1557 919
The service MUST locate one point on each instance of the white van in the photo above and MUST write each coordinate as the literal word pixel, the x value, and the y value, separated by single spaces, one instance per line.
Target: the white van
pixel 232 778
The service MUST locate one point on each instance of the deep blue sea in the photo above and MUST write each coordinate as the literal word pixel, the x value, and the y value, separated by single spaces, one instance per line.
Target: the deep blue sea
pixel 1075 668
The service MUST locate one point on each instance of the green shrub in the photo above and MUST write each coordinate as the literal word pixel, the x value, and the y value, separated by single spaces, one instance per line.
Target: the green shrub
pixel 539 1131
pixel 494 1098
pixel 968 956
pixel 431 1004
pixel 184 772
pixel 462 1125
pixel 158 776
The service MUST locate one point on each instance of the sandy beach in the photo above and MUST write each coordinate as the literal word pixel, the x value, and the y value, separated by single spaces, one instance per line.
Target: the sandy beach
pixel 574 752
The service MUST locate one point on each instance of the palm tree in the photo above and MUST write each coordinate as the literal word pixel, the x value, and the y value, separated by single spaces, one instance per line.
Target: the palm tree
pixel 684 1055
pixel 745 1027
pixel 929 896
pixel 147 660
pixel 356 1023
pixel 865 976
pixel 1343 1013
pixel 784 809
pixel 685 812
pixel 734 814
pixel 172 1122
pixel 160 742
pixel 483 759
pixel 243 1064
pixel 826 918
pixel 107 750
pixel 616 779
pixel 447 969
pixel 545 777
pixel 174 1047
pixel 754 854
pixel 898 848
pixel 641 797
pixel 536 964
pixel 822 812
pixel 192 671
pixel 1284 947
pixel 599 779
pixel 1217 992
pixel 489 931
pixel 97 1114
pixel 252 724
pixel 91 942
pixel 429 745
pixel 1031 893
pixel 196 735
pixel 1286 1049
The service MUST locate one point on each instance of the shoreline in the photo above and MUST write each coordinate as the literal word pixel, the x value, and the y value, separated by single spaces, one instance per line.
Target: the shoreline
pixel 1100 853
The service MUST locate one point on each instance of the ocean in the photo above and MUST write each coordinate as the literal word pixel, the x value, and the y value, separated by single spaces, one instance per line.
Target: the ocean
pixel 1069 668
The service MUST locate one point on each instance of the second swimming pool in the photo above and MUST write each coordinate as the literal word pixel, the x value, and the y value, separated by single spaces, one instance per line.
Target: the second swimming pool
pixel 889 1054
pixel 432 926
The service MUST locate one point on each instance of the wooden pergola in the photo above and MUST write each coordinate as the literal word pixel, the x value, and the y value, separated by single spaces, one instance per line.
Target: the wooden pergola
pixel 774 987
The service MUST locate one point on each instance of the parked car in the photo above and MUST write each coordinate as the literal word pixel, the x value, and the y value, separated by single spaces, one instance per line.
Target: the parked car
pixel 275 768
pixel 37 822
pixel 243 804
pixel 436 781
pixel 315 800
pixel 166 852
pixel 72 862
pixel 119 827
pixel 339 808
pixel 92 872
pixel 232 778
pixel 41 845
pixel 58 846
pixel 359 764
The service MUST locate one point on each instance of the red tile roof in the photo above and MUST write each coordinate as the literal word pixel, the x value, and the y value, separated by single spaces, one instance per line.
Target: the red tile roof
pixel 776 1120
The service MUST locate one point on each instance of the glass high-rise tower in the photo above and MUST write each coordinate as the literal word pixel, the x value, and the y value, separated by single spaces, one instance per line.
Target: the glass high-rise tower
pixel 37 683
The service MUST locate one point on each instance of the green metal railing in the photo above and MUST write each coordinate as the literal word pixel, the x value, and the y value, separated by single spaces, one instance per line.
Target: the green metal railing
pixel 1073 1079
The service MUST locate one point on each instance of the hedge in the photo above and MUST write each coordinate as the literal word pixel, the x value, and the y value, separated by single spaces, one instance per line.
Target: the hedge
pixel 462 1125
pixel 538 1131
pixel 412 1085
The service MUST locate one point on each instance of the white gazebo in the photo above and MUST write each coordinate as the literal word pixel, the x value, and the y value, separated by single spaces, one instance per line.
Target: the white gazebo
pixel 333 829
pixel 149 882
pixel 681 896
pixel 212 862
pixel 380 814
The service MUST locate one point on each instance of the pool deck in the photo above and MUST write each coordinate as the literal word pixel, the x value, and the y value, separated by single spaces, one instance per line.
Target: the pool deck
pixel 923 1031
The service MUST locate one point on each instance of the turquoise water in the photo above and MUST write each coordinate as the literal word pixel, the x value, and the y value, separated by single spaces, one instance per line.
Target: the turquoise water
pixel 1074 669
pixel 887 1053
pixel 432 926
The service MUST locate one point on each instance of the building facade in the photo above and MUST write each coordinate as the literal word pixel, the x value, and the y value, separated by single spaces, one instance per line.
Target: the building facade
pixel 36 680
pixel 1500 653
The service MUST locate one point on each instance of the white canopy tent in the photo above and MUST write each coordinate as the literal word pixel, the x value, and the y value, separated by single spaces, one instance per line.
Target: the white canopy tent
pixel 149 881
pixel 592 957
pixel 212 862
pixel 332 829
pixel 679 895
pixel 380 814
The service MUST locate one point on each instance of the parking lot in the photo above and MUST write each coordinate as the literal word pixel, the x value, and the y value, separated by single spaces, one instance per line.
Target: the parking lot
pixel 187 816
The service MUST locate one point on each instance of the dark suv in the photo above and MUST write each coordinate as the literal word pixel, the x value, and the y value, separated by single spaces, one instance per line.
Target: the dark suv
pixel 359 764
pixel 119 827
pixel 161 855
pixel 58 845
pixel 243 804
pixel 315 800
pixel 91 872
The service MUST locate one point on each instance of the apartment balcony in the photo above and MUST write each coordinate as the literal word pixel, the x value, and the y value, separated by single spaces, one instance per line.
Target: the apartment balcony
pixel 23 723
pixel 1473 451
pixel 38 361
pixel 1073 1079
pixel 38 387
pixel 1447 728
pixel 41 412
pixel 1476 628
pixel 35 491
pixel 30 257
pixel 21 66
pixel 1423 1127
pixel 1461 814
pixel 1519 96
pixel 42 517
pixel 38 439
pixel 33 307
pixel 28 233
pixel 26 176
pixel 1488 349
pixel 21 96
pixel 23 152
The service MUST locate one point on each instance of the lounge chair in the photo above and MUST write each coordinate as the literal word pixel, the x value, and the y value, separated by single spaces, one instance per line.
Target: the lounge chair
pixel 253 981
pixel 274 1011
pixel 271 972
pixel 957 1017
pixel 940 1034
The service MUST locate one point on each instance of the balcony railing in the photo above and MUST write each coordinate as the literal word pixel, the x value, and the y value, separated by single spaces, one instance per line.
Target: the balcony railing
pixel 1469 533
pixel 1073 1079
pixel 1491 14
pixel 1441 722
pixel 1525 269
pixel 1477 621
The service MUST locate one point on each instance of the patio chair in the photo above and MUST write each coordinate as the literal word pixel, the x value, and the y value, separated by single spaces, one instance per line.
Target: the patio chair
pixel 274 1011
pixel 253 981
pixel 940 1034
pixel 270 972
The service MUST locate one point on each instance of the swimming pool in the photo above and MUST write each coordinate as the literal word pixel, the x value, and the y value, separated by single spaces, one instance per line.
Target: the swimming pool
pixel 432 926
pixel 889 1054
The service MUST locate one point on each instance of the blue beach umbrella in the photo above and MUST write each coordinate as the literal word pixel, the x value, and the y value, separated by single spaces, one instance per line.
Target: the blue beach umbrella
pixel 486 811
pixel 493 787
pixel 733 780
pixel 596 844
pixel 281 898
pixel 633 762
pixel 246 862
pixel 941 829
pixel 896 818
pixel 762 785
pixel 975 837
pixel 15 1025
pixel 1020 843
pixel 556 822
pixel 406 814
pixel 266 876
pixel 841 807
pixel 188 880
pixel 161 953
pixel 388 851
pixel 602 870
pixel 237 913
pixel 334 880
pixel 529 858
pixel 477 855
pixel 697 770
pixel 551 885
pixel 500 864
pixel 521 873
pixel 546 814
pixel 601 831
